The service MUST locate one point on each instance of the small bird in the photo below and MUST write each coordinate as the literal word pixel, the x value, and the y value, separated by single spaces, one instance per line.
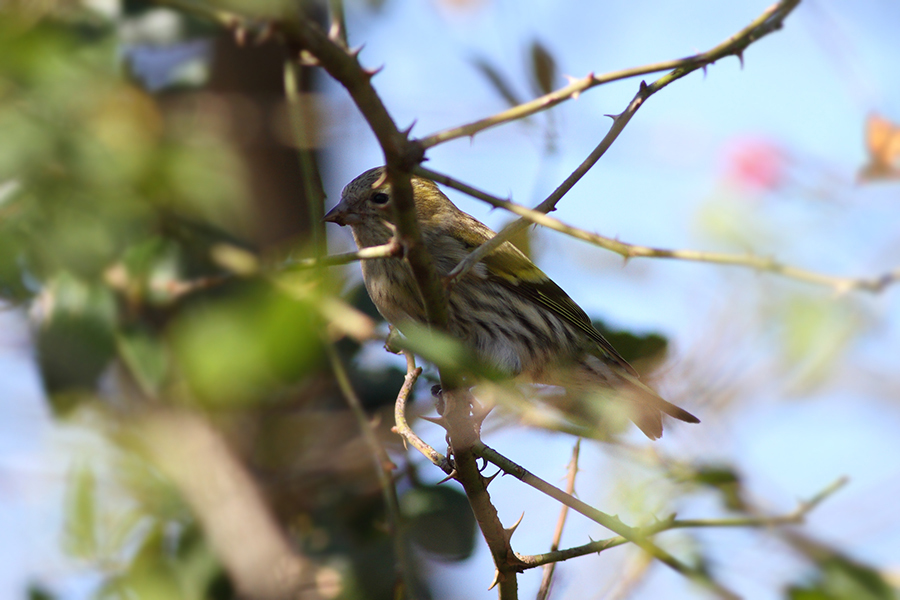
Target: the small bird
pixel 505 308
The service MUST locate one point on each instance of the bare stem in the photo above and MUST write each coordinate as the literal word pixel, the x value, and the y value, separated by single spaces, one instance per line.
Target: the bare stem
pixel 634 535
pixel 549 568
pixel 760 263
pixel 401 426
pixel 795 517
pixel 770 20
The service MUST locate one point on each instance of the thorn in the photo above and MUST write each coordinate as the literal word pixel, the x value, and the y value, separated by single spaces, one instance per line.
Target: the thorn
pixel 409 129
pixel 740 55
pixel 480 414
pixel 512 529
pixel 452 475
pixel 354 52
pixel 370 73
pixel 496 579
pixel 489 480
pixel 613 117
pixel 436 420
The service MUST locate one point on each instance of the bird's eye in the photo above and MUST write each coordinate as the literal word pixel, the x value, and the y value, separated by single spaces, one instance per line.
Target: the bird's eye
pixel 380 198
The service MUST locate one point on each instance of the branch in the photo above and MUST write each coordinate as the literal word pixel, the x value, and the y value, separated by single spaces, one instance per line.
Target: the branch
pixel 795 517
pixel 547 578
pixel 310 45
pixel 636 536
pixel 392 249
pixel 628 251
pixel 401 426
pixel 769 21
pixel 462 430
pixel 227 503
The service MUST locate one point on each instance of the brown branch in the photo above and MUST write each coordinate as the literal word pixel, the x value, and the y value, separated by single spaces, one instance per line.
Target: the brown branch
pixel 637 536
pixel 463 429
pixel 795 517
pixel 760 263
pixel 769 21
pixel 401 426
pixel 547 577
pixel 392 249
pixel 228 505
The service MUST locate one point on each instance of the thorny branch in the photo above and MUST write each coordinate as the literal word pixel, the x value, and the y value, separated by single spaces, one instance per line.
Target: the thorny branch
pixel 549 568
pixel 629 251
pixel 769 21
pixel 795 517
pixel 637 536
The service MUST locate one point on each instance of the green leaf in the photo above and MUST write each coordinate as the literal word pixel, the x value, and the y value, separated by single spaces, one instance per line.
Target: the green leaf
pixel 239 350
pixel 440 521
pixel 543 68
pixel 146 359
pixel 81 528
pixel 76 339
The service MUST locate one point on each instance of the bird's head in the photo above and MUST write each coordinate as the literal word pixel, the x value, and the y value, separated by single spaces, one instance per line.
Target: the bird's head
pixel 367 206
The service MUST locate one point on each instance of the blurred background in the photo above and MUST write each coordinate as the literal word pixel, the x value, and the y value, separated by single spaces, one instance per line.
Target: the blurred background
pixel 152 177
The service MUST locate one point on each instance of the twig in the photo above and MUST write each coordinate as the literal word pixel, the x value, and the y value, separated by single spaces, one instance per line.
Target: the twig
pixel 795 517
pixel 389 250
pixel 401 426
pixel 629 251
pixel 547 578
pixel 301 118
pixel 769 21
pixel 636 536
pixel 383 468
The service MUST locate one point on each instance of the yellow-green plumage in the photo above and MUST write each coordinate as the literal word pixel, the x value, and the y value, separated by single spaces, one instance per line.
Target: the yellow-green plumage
pixel 505 308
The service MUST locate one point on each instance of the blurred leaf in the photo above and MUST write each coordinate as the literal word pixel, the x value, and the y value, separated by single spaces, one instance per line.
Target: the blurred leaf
pixel 522 240
pixel 75 339
pixel 841 578
pixel 439 520
pixel 237 350
pixel 146 359
pixel 726 480
pixel 36 592
pixel 883 146
pixel 815 332
pixel 500 84
pixel 444 351
pixel 81 527
pixel 633 347
pixel 543 68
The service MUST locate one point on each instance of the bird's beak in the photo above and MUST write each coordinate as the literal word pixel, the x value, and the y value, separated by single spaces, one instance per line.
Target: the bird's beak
pixel 336 215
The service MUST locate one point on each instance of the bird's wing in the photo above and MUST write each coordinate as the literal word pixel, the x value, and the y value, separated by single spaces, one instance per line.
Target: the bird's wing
pixel 513 270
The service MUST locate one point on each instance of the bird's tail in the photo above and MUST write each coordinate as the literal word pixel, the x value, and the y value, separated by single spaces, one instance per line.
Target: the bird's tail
pixel 601 394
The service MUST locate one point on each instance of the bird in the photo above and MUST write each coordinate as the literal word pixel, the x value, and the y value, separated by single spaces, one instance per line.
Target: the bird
pixel 505 309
